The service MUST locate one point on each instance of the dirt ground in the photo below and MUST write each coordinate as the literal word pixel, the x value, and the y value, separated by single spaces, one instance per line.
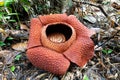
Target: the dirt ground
pixel 102 16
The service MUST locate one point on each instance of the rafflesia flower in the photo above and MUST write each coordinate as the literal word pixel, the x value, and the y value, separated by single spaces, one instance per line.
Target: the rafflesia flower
pixel 57 40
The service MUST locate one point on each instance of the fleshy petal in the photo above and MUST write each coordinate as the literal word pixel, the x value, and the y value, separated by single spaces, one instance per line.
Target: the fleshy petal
pixel 52 18
pixel 35 33
pixel 80 51
pixel 48 60
pixel 79 27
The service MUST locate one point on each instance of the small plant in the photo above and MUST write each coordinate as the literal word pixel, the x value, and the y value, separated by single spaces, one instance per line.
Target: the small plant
pixel 2 43
pixel 12 68
pixel 10 38
pixel 85 77
pixel 6 11
pixel 107 51
pixel 18 57
pixel 10 11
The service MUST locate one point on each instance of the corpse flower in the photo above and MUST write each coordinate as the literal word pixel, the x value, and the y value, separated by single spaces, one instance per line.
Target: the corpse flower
pixel 57 40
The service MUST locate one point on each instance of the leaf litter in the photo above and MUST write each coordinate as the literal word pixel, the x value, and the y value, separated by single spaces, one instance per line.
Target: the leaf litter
pixel 102 16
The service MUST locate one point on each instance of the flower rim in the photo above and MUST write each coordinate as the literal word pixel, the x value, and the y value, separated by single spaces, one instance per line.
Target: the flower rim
pixel 57 46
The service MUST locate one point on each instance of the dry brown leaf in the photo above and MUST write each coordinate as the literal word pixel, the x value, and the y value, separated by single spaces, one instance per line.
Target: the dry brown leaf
pixel 3 34
pixel 4 53
pixel 97 30
pixel 8 56
pixel 118 28
pixel 19 34
pixel 24 27
pixel 20 46
pixel 1 64
pixel 115 5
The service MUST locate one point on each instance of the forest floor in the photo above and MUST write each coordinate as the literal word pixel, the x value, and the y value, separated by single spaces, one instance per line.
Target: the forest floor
pixel 102 16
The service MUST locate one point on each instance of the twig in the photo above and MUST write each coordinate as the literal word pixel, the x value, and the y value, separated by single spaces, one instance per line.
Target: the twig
pixel 107 39
pixel 111 64
pixel 51 76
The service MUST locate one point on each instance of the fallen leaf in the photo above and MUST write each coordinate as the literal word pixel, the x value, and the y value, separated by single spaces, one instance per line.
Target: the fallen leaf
pixel 1 64
pixel 92 75
pixel 24 27
pixel 20 46
pixel 3 34
pixel 97 30
pixel 118 28
pixel 90 19
pixel 8 56
pixel 115 5
pixel 19 34
pixel 40 76
pixel 3 53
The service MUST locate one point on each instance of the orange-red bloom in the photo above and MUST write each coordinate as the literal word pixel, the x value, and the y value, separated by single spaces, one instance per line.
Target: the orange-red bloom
pixel 56 40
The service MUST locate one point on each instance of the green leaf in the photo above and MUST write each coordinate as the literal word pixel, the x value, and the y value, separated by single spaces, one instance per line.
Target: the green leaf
pixel 8 44
pixel 26 2
pixel 7 17
pixel 104 51
pixel 12 68
pixel 70 3
pixel 8 2
pixel 106 2
pixel 1 15
pixel 26 5
pixel 85 77
pixel 18 57
pixel 2 43
pixel 26 8
pixel 11 20
pixel 107 51
pixel 10 38
pixel 17 27
pixel 110 51
pixel 1 2
pixel 10 14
